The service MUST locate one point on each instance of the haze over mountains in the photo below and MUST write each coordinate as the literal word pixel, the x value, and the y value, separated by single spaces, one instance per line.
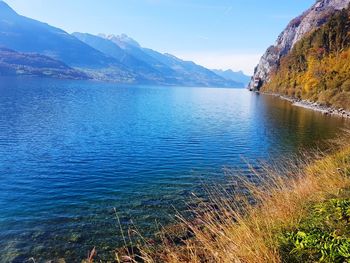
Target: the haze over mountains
pixel 238 76
pixel 103 57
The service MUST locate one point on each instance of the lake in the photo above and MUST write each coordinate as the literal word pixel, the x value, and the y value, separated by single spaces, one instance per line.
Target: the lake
pixel 72 151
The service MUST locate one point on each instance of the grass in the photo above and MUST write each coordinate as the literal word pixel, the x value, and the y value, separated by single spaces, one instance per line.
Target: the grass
pixel 298 213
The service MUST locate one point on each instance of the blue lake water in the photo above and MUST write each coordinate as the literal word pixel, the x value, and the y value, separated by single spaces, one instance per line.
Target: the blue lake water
pixel 71 152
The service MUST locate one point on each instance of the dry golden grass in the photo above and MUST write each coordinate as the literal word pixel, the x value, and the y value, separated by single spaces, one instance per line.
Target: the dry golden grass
pixel 230 228
pixel 244 226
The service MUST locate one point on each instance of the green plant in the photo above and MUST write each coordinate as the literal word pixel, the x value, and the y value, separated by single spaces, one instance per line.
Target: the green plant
pixel 323 236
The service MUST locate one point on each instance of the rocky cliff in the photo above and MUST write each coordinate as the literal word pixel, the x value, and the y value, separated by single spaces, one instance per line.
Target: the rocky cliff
pixel 310 20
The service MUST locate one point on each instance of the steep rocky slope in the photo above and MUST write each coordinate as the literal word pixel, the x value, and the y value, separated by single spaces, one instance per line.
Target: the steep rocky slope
pixel 310 20
pixel 317 68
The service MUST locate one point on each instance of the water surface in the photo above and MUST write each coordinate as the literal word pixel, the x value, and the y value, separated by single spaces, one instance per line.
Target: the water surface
pixel 71 152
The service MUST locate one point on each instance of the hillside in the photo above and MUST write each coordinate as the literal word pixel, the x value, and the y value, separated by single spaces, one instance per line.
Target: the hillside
pixel 299 27
pixel 27 35
pixel 154 65
pixel 15 63
pixel 318 66
pixel 133 63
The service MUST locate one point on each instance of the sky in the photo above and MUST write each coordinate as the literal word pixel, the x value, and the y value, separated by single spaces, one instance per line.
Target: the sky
pixel 223 34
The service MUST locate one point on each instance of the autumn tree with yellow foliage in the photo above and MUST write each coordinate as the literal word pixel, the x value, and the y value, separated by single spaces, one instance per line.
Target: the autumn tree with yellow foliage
pixel 318 67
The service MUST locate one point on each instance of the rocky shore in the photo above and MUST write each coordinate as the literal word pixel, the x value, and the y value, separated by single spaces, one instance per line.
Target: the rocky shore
pixel 326 110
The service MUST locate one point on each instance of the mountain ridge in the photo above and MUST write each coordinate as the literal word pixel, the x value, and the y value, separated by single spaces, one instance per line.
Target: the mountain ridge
pixel 111 49
pixel 119 59
pixel 237 76
pixel 177 71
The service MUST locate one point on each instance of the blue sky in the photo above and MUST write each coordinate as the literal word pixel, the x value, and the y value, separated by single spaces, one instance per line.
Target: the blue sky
pixel 215 33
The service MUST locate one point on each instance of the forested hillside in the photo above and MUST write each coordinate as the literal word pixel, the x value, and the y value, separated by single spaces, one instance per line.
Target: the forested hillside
pixel 318 67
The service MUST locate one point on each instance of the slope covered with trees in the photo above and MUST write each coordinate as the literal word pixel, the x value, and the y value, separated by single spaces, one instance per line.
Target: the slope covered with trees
pixel 318 67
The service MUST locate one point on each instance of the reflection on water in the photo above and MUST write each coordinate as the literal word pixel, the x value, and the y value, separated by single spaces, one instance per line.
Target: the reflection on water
pixel 70 152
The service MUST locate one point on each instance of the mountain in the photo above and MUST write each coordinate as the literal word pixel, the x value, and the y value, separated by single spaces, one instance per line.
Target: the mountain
pixel 27 35
pixel 318 66
pixel 238 76
pixel 134 49
pixel 112 58
pixel 309 21
pixel 151 64
pixel 13 63
pixel 113 50
pixel 188 71
pixel 123 41
pixel 182 72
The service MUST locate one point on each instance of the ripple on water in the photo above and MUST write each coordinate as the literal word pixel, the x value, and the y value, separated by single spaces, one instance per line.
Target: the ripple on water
pixel 71 152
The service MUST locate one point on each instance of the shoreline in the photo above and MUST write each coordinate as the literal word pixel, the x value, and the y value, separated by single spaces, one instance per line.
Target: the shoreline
pixel 315 106
pixel 271 232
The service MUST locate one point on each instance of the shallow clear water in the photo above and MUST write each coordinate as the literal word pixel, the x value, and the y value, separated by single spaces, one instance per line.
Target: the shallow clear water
pixel 72 151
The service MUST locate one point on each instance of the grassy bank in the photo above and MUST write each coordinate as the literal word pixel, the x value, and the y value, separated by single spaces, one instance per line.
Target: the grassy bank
pixel 300 213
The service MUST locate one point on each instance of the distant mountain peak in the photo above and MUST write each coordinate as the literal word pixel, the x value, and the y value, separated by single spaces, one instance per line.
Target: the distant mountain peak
pixel 121 40
pixel 229 74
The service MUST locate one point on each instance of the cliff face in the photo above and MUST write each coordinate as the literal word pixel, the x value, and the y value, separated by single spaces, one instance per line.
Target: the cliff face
pixel 310 20
pixel 317 68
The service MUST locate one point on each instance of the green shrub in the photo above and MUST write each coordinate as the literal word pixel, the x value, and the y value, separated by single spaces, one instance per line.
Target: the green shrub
pixel 324 236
